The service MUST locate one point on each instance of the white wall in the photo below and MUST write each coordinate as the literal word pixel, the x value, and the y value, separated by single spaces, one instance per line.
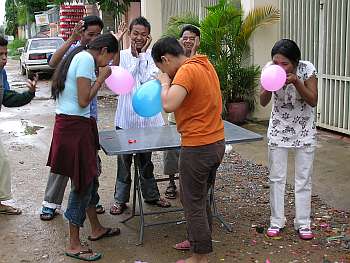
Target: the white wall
pixel 261 43
pixel 152 11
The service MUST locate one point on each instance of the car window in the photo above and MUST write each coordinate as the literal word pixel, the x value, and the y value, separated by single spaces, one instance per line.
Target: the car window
pixel 45 44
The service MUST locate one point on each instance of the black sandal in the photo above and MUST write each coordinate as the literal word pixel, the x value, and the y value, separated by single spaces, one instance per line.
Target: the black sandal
pixel 170 192
pixel 100 209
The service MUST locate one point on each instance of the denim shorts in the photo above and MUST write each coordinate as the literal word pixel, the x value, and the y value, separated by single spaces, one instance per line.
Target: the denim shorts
pixel 78 202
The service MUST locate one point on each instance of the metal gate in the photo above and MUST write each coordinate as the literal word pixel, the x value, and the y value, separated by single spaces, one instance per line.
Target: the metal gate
pixel 322 30
pixel 180 7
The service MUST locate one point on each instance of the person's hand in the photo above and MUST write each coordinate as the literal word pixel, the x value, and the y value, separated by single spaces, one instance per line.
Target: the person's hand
pixel 195 46
pixel 122 28
pixel 291 78
pixel 103 73
pixel 79 27
pixel 134 52
pixel 147 44
pixel 31 83
pixel 164 79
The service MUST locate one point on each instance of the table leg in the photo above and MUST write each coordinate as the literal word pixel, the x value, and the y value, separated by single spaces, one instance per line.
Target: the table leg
pixel 133 213
pixel 216 214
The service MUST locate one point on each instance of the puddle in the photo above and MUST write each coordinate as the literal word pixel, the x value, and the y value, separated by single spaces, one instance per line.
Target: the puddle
pixel 18 128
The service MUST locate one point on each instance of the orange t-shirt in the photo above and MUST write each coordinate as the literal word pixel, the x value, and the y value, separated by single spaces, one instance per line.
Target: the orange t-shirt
pixel 198 118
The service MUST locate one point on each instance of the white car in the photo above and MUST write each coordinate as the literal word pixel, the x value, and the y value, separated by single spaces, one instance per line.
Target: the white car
pixel 35 53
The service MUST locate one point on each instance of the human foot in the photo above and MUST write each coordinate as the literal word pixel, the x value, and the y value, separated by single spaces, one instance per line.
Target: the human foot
pixel 83 254
pixel 104 232
pixel 117 209
pixel 9 210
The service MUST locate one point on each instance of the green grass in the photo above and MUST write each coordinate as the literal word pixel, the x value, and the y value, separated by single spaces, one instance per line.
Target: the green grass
pixel 12 47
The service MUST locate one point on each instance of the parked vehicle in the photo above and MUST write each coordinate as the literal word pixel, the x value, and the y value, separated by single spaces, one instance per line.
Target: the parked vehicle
pixel 35 53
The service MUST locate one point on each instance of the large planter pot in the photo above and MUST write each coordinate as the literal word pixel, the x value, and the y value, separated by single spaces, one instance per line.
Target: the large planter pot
pixel 237 112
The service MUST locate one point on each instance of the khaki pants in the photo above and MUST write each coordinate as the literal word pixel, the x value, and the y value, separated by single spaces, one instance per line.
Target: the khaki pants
pixel 5 176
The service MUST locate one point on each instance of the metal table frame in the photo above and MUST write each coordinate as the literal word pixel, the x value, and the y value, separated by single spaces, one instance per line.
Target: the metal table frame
pixel 114 142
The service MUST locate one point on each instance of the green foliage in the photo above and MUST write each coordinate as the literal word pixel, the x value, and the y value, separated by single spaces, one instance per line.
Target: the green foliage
pixel 11 18
pixel 21 15
pixel 14 45
pixel 176 23
pixel 16 12
pixel 225 39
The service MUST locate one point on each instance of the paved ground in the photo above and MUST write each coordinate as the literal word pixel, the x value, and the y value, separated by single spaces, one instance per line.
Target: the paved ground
pixel 241 194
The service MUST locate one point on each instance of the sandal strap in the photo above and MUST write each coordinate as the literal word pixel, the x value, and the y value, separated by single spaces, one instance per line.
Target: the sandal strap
pixel 48 210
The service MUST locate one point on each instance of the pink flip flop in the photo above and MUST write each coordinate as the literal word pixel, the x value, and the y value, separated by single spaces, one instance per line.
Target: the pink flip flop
pixel 181 261
pixel 184 245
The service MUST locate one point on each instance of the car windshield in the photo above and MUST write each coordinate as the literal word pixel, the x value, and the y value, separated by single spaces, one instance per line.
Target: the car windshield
pixel 45 44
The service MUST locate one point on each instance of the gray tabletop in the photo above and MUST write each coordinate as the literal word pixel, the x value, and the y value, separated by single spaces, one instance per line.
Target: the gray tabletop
pixel 162 138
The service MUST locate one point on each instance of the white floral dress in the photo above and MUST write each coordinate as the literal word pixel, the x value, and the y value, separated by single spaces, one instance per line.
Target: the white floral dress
pixel 292 122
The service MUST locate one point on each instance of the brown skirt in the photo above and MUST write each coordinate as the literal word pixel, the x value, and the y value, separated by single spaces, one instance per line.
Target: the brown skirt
pixel 73 150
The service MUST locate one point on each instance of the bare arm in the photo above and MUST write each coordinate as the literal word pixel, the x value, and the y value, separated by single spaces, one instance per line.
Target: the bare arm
pixel 265 97
pixel 307 90
pixel 122 28
pixel 172 95
pixel 85 92
pixel 59 54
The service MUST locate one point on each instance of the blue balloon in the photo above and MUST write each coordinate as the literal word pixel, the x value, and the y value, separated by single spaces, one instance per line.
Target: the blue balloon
pixel 147 101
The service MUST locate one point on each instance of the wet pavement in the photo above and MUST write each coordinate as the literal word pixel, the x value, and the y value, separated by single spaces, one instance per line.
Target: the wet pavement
pixel 241 194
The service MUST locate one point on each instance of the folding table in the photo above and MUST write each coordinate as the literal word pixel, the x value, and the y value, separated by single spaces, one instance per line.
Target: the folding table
pixel 139 140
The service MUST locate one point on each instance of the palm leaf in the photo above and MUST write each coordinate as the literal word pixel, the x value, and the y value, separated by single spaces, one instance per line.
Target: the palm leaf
pixel 176 23
pixel 256 18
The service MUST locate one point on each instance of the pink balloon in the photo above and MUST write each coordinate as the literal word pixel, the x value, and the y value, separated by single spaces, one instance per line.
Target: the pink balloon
pixel 120 81
pixel 273 78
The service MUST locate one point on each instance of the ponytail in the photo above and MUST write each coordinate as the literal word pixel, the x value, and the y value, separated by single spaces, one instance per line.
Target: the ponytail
pixel 60 75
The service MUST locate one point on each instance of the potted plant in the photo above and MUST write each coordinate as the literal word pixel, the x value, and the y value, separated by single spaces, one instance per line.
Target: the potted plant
pixel 225 37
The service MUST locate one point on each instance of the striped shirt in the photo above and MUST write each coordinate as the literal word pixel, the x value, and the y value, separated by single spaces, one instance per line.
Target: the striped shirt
pixel 142 69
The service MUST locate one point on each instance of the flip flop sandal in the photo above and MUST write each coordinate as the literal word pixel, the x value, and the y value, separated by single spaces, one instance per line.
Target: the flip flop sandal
pixel 100 209
pixel 79 255
pixel 170 192
pixel 184 245
pixel 110 232
pixel 47 213
pixel 10 210
pixel 117 209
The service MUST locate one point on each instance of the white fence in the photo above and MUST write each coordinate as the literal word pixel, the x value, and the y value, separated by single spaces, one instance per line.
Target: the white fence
pixel 322 30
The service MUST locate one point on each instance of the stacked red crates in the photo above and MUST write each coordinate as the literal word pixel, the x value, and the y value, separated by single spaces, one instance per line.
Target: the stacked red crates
pixel 70 15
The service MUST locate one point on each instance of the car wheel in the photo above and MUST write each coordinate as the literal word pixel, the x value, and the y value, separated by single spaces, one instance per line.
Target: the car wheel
pixel 23 70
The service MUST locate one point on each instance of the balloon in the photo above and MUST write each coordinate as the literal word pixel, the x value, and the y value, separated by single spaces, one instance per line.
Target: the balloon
pixel 147 101
pixel 120 81
pixel 273 78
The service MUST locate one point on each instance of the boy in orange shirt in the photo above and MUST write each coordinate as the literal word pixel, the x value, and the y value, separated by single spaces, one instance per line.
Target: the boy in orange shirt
pixel 191 89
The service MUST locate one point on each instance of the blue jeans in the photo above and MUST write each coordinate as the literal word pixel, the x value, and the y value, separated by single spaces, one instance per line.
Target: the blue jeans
pixel 149 186
pixel 78 202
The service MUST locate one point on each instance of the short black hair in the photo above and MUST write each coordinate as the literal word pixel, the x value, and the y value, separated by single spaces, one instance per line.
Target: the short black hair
pixel 192 29
pixel 140 21
pixel 287 48
pixel 92 21
pixel 166 45
pixel 3 42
